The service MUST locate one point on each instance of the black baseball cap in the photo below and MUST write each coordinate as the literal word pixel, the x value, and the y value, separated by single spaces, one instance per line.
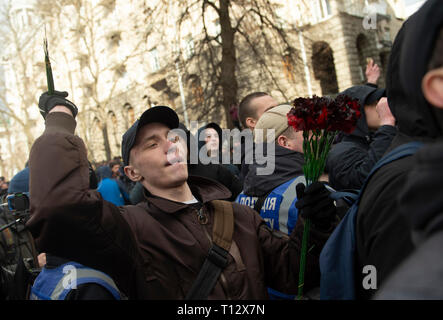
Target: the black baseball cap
pixel 375 96
pixel 161 114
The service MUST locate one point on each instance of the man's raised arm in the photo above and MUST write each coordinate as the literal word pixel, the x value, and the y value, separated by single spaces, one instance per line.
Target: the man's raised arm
pixel 68 219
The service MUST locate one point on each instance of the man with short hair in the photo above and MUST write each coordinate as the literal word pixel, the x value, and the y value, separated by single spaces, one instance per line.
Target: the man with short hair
pixel 156 249
pixel 289 161
pixel 115 169
pixel 274 196
pixel 253 106
pixel 250 110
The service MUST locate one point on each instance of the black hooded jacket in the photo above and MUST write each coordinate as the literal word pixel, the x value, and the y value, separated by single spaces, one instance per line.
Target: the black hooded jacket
pixel 382 233
pixel 201 143
pixel 421 274
pixel 350 161
pixel 288 165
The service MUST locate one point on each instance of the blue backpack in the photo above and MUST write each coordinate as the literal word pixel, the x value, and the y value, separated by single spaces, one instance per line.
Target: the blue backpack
pixel 337 259
pixel 55 283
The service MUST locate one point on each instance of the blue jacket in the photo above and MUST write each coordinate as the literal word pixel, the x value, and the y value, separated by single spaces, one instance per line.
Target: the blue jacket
pixel 278 210
pixel 110 191
pixel 109 188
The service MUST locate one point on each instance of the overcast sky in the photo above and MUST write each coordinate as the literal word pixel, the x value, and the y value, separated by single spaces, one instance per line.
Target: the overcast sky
pixel 408 2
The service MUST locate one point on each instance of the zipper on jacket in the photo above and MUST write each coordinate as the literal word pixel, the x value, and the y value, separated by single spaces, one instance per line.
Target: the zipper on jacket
pixel 202 217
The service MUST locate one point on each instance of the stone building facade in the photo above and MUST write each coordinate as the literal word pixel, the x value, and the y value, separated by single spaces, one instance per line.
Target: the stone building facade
pixel 146 58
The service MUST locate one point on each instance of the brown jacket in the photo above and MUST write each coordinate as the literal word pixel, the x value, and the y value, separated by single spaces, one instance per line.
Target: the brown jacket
pixel 159 241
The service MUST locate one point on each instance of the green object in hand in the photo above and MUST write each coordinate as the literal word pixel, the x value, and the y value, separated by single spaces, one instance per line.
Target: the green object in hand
pixel 49 78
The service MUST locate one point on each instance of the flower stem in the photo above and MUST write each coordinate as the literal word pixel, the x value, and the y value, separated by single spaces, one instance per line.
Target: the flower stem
pixel 304 248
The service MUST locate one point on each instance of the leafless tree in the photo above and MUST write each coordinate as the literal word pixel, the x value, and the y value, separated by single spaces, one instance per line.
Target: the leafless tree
pixel 246 32
pixel 98 73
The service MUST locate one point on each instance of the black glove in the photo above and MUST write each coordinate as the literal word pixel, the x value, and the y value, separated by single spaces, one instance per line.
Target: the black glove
pixel 47 102
pixel 315 204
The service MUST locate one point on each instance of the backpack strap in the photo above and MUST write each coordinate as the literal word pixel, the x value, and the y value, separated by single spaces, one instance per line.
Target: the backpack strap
pixel 217 257
pixel 260 201
pixel 405 150
pixel 347 196
pixel 223 224
pixel 337 258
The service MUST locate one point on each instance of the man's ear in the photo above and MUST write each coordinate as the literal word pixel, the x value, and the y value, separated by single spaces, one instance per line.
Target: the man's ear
pixel 282 141
pixel 250 122
pixel 432 87
pixel 132 173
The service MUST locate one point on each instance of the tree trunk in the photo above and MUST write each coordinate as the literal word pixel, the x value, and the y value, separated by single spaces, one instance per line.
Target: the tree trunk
pixel 106 141
pixel 228 62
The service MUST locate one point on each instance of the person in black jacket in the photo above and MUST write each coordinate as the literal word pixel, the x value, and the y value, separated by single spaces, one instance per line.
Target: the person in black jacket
pixel 351 160
pixel 383 239
pixel 420 201
pixel 210 138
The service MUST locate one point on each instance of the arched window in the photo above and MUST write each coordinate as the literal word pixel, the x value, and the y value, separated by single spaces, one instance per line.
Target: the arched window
pixel 288 67
pixel 195 89
pixel 324 67
pixel 128 115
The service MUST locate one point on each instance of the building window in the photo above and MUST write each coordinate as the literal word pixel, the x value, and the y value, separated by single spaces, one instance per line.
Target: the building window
pixel 153 60
pixel 196 91
pixel 326 8
pixel 114 39
pixel 217 29
pixel 288 68
pixel 121 70
pixel 131 116
pixel 83 61
pixel 88 90
pixel 280 12
pixel 322 9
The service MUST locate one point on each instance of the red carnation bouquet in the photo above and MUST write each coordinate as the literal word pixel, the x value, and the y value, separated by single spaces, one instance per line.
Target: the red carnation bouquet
pixel 320 119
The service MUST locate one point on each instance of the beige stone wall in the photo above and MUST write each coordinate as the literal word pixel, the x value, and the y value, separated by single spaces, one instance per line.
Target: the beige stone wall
pixel 142 86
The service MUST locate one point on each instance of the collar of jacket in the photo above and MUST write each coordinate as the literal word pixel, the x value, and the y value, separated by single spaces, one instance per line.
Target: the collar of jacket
pixel 203 189
pixel 288 165
pixel 363 139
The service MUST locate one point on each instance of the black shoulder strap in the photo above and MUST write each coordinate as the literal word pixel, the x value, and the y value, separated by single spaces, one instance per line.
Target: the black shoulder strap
pixel 260 201
pixel 217 257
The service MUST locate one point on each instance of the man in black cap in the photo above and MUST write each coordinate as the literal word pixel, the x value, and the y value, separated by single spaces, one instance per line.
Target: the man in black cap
pixel 351 160
pixel 157 249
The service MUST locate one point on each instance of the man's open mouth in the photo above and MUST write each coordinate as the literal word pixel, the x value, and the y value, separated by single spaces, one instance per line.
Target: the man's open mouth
pixel 174 160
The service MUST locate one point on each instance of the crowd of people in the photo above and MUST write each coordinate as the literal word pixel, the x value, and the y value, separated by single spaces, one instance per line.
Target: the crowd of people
pixel 154 224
